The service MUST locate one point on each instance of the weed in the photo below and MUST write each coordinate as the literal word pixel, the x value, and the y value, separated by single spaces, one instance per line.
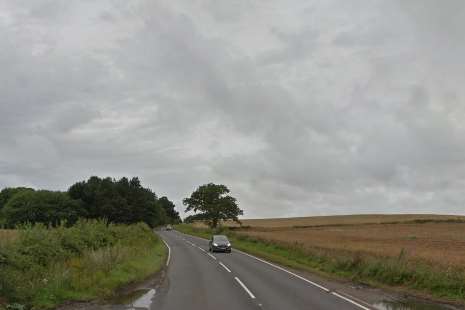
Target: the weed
pixel 44 267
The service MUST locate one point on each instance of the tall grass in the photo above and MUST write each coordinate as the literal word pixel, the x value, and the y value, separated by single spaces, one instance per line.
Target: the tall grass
pixel 45 267
pixel 397 271
pixel 7 236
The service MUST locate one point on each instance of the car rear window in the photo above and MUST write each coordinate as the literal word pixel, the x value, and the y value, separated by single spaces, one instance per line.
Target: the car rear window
pixel 220 238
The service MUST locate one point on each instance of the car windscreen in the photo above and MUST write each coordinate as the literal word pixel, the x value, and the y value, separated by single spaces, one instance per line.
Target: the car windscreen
pixel 220 239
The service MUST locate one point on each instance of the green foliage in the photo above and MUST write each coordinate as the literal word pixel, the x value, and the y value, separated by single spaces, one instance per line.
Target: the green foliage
pixel 397 271
pixel 45 207
pixel 169 209
pixel 5 195
pixel 118 201
pixel 212 201
pixel 195 217
pixel 46 267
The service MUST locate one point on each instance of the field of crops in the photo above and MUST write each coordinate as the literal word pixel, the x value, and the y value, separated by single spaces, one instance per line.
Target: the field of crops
pixel 435 243
pixel 425 253
pixel 343 220
pixel 435 239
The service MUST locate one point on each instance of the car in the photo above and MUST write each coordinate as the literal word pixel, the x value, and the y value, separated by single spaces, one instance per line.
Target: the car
pixel 219 243
pixel 169 227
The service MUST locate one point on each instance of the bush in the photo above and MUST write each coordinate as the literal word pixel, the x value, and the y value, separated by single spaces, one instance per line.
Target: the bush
pixel 49 208
pixel 44 267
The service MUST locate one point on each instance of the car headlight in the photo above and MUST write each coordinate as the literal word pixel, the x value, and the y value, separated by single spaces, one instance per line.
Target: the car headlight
pixel 215 244
pixel 229 244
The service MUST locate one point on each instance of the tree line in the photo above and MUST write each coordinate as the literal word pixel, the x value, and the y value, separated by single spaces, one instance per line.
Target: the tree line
pixel 117 201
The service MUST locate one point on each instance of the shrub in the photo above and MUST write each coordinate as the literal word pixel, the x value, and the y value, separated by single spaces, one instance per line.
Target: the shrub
pixel 46 266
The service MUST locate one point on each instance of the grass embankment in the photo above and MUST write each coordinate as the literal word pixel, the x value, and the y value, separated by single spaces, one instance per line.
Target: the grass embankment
pixel 41 268
pixel 399 271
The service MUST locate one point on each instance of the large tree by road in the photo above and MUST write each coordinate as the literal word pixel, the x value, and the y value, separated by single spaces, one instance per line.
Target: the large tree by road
pixel 213 204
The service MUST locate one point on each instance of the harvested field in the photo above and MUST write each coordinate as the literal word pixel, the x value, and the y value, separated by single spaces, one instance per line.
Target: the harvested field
pixel 344 220
pixel 438 243
pixel 424 254
pixel 434 239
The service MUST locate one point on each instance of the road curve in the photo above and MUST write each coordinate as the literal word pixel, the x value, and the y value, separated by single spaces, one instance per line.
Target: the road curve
pixel 199 280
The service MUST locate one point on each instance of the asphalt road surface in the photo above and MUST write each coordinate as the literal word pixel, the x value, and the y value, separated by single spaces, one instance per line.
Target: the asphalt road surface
pixel 196 279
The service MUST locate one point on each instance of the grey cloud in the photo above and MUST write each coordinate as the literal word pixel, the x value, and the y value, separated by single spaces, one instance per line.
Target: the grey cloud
pixel 334 109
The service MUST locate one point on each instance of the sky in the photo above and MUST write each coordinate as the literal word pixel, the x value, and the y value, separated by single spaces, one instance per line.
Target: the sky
pixel 300 107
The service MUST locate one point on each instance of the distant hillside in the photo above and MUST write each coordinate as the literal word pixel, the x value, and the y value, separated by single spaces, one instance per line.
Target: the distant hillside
pixel 344 220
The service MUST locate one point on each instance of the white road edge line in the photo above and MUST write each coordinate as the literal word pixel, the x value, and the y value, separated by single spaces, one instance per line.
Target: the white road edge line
pixel 351 301
pixel 169 252
pixel 245 288
pixel 227 269
pixel 353 298
pixel 211 256
pixel 297 276
pixel 287 271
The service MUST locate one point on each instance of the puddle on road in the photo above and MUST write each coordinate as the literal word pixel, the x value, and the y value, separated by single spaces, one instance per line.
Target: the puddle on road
pixel 139 299
pixel 410 305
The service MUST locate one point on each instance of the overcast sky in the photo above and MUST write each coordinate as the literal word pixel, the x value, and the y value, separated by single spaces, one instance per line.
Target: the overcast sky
pixel 299 107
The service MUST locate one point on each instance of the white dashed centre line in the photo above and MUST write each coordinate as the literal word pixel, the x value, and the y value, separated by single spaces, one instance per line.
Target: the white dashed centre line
pixel 245 288
pixel 227 269
pixel 211 256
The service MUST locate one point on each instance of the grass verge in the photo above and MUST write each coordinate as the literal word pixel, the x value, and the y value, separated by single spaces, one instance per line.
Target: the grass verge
pixel 399 272
pixel 45 267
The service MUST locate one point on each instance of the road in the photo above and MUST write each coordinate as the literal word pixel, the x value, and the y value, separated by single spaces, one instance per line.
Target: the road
pixel 196 279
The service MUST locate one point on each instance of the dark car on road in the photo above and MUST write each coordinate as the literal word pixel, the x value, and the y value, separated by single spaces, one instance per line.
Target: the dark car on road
pixel 220 243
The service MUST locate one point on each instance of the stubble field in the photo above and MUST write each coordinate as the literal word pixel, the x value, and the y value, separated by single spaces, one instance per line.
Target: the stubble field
pixel 434 239
pixel 423 255
pixel 434 243
pixel 344 220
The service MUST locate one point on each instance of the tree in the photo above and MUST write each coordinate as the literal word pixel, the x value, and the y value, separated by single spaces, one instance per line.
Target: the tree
pixel 47 207
pixel 212 201
pixel 118 201
pixel 170 211
pixel 7 193
pixel 193 218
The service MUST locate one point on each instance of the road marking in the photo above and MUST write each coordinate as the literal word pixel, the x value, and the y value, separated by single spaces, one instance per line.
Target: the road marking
pixel 287 271
pixel 353 298
pixel 169 252
pixel 191 243
pixel 295 275
pixel 350 300
pixel 245 288
pixel 211 256
pixel 202 250
pixel 227 269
